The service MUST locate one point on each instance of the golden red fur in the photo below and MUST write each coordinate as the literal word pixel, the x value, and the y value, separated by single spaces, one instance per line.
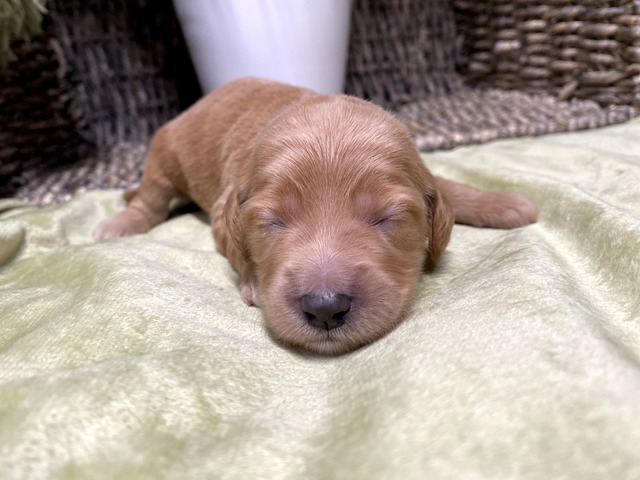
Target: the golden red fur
pixel 321 203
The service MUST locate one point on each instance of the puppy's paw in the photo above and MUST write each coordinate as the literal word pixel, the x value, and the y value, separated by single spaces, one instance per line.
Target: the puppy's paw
pixel 510 210
pixel 249 293
pixel 122 225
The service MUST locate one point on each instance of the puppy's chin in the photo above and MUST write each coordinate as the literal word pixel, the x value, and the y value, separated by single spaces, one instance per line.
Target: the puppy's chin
pixel 338 341
pixel 327 346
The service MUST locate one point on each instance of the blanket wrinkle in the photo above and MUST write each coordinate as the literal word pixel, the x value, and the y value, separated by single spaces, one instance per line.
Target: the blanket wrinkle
pixel 12 241
pixel 136 358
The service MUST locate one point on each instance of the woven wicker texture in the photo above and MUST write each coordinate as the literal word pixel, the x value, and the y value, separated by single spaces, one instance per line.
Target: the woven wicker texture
pixel 402 51
pixel 408 56
pixel 107 73
pixel 118 63
pixel 588 49
pixel 19 20
pixel 88 94
pixel 39 125
pixel 476 116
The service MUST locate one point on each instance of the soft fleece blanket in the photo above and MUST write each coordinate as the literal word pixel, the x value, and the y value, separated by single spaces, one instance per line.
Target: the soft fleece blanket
pixel 136 358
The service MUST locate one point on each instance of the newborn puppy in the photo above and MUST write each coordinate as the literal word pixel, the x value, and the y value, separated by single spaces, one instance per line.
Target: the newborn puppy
pixel 320 202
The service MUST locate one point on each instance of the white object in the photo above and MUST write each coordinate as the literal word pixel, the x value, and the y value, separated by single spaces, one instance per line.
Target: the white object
pixel 300 42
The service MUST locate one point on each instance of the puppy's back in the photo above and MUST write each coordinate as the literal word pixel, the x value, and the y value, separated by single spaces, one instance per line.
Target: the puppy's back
pixel 217 133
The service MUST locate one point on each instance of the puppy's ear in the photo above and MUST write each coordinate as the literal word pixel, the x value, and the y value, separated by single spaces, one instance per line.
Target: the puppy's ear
pixel 228 231
pixel 229 234
pixel 440 219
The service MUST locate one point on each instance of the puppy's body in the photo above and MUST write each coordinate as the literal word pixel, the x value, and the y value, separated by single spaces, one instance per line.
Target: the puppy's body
pixel 321 204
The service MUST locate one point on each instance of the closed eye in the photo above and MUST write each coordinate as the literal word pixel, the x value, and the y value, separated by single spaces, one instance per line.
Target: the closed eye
pixel 378 222
pixel 270 221
pixel 273 225
pixel 394 215
pixel 388 218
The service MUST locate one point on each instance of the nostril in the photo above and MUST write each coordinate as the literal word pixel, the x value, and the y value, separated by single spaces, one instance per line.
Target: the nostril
pixel 325 311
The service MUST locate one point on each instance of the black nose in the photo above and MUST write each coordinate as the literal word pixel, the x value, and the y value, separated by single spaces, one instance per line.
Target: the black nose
pixel 325 311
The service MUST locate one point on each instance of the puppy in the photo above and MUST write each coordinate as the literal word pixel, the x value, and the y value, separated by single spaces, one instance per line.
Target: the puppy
pixel 321 203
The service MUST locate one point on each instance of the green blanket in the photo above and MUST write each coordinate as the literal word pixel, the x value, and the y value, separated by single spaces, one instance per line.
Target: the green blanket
pixel 136 358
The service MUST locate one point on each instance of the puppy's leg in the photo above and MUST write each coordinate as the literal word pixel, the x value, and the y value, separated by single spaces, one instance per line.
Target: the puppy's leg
pixel 149 205
pixel 480 208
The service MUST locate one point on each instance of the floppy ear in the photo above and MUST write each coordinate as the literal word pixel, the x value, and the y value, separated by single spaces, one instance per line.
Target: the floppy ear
pixel 440 219
pixel 230 238
pixel 228 231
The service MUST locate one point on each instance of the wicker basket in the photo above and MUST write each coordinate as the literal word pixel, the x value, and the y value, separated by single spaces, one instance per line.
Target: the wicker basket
pixel 78 107
pixel 80 104
pixel 463 72
pixel 586 50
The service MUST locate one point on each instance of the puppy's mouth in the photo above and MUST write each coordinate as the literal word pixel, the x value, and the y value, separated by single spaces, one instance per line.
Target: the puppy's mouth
pixel 335 341
pixel 332 319
pixel 321 324
pixel 329 333
pixel 334 333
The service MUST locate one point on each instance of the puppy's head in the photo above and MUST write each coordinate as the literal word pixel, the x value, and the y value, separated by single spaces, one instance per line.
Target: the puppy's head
pixel 337 218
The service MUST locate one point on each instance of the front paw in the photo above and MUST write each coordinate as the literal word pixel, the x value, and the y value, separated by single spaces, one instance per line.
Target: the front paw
pixel 122 225
pixel 249 293
pixel 514 210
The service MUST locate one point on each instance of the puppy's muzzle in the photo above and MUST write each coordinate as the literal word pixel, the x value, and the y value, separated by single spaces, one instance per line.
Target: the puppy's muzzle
pixel 326 311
